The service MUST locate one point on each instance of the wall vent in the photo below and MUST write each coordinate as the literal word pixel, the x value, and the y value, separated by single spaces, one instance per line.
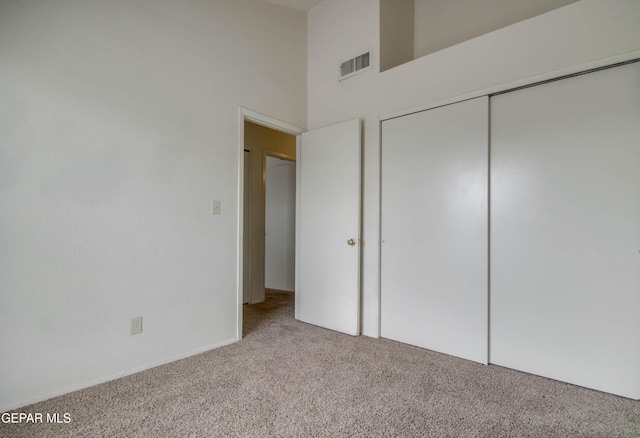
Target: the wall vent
pixel 351 66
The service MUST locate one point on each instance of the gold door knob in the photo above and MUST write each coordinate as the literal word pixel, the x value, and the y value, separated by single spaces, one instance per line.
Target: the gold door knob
pixel 351 242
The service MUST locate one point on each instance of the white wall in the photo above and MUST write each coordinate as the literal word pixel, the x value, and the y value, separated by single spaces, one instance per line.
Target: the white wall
pixel 396 32
pixel 580 33
pixel 280 225
pixel 443 23
pixel 118 126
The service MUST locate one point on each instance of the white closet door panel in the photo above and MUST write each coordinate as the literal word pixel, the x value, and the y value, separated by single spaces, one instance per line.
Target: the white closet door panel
pixel 434 229
pixel 565 230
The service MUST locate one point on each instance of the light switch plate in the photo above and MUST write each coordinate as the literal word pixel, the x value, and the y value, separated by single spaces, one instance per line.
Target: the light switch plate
pixel 215 207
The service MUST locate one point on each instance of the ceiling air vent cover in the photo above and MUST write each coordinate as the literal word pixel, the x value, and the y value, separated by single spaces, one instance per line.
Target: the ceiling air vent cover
pixel 354 65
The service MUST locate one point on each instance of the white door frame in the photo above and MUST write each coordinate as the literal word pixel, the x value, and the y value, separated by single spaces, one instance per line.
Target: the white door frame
pixel 245 114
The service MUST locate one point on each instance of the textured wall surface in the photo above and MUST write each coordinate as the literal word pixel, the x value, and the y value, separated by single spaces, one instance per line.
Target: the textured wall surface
pixel 118 127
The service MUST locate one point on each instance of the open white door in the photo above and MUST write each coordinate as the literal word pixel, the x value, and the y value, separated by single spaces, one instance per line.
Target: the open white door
pixel 328 228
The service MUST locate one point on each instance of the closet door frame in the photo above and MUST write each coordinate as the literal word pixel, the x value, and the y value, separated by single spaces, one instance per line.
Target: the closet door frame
pixel 559 75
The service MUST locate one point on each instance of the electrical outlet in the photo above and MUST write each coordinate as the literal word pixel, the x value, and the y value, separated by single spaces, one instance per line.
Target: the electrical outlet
pixel 136 325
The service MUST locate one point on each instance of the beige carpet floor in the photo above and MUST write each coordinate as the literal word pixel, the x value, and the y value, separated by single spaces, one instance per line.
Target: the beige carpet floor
pixel 290 379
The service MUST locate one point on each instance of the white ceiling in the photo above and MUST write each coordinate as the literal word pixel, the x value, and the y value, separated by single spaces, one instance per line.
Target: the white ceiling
pixel 302 5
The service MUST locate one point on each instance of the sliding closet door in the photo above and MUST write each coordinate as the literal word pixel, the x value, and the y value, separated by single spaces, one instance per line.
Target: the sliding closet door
pixel 565 230
pixel 434 229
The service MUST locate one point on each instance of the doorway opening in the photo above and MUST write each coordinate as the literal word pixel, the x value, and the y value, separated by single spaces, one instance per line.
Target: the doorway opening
pixel 280 222
pixel 266 229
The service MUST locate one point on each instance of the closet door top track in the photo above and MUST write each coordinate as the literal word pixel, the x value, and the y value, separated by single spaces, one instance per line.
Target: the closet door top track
pixel 559 78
